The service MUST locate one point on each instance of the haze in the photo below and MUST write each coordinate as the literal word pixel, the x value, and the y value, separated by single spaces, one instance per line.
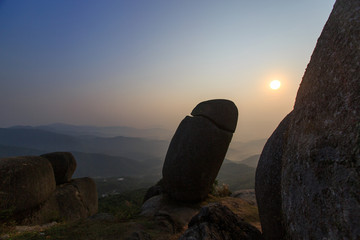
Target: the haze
pixel 148 63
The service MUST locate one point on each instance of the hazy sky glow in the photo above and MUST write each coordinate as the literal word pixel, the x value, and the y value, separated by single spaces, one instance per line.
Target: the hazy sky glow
pixel 148 63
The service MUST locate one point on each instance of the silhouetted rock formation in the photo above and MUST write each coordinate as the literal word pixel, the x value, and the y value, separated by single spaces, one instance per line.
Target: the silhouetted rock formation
pixel 320 181
pixel 170 215
pixel 198 149
pixel 64 165
pixel 216 222
pixel 29 191
pixel 154 191
pixel 268 182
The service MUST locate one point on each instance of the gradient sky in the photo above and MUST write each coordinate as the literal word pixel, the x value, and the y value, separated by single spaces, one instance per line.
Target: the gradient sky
pixel 144 63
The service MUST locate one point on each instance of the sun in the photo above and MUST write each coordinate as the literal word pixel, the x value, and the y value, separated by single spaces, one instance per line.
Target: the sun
pixel 275 84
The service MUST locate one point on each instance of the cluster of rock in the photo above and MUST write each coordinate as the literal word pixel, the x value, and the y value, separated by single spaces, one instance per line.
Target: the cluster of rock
pixel 39 189
pixel 308 176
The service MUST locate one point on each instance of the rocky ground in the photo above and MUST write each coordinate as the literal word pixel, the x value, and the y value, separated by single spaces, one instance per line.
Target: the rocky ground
pixel 108 226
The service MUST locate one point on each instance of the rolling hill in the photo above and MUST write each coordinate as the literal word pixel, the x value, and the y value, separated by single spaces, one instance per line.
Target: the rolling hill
pixel 45 141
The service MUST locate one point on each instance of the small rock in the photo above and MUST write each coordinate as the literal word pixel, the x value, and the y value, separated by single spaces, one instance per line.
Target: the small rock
pixel 154 191
pixel 64 165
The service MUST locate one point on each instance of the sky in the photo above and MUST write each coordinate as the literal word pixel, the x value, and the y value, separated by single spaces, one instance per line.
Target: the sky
pixel 148 63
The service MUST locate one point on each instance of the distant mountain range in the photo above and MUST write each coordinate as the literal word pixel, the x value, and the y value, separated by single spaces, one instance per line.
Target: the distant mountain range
pixel 45 141
pixel 239 151
pixel 119 156
pixel 113 131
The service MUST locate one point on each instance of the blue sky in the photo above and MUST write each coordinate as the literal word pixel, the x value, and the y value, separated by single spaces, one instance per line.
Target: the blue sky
pixel 148 63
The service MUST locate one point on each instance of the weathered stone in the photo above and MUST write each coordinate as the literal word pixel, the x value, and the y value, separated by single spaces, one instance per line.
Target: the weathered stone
pixel 139 235
pixel 171 216
pixel 222 112
pixel 218 222
pixel 71 201
pixel 268 183
pixel 88 193
pixel 247 195
pixel 321 161
pixel 25 182
pixel 154 191
pixel 194 158
pixel 320 181
pixel 64 165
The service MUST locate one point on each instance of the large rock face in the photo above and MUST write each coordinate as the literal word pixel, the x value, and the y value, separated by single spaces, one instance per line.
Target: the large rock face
pixel 25 182
pixel 268 182
pixel 198 149
pixel 320 181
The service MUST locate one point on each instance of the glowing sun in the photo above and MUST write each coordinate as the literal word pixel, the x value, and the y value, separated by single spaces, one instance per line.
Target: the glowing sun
pixel 275 84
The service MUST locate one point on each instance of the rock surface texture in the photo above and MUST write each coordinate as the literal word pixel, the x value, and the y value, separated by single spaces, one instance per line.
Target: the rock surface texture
pixel 198 149
pixel 320 158
pixel 216 222
pixel 268 182
pixel 28 188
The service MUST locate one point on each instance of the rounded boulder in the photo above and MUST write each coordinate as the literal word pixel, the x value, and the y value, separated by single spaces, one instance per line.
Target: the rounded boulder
pixel 25 182
pixel 193 160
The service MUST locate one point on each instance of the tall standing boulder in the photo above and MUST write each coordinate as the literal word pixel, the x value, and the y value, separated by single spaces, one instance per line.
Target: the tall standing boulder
pixel 25 182
pixel 64 165
pixel 320 160
pixel 197 150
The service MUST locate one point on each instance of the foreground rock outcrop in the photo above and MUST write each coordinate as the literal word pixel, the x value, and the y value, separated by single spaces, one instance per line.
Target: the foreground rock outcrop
pixel 198 149
pixel 215 222
pixel 319 161
pixel 37 190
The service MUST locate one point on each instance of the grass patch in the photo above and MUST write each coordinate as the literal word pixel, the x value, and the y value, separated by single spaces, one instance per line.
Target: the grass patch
pixel 123 206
